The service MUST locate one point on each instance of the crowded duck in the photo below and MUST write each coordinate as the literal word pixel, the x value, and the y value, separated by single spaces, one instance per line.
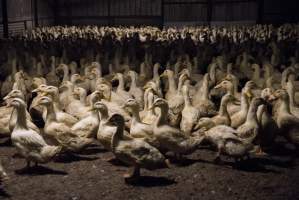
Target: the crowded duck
pixel 145 107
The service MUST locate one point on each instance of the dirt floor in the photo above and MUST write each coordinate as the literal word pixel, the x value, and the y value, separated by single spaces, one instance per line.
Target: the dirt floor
pixel 88 176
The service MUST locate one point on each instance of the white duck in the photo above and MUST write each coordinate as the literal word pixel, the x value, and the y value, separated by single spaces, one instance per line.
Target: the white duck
pixel 29 143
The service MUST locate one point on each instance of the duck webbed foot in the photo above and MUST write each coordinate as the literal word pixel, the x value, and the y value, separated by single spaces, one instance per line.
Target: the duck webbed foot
pixel 133 176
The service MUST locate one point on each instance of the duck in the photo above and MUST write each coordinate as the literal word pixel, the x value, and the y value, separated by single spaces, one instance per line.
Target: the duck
pixel 134 152
pixel 51 77
pixel 134 90
pixel 190 114
pixel 250 129
pixel 201 99
pixel 59 132
pixel 139 129
pixel 289 87
pixel 239 117
pixel 105 131
pixel 172 89
pixel 120 90
pixel 8 83
pixel 228 86
pixel 65 94
pixel 148 115
pixel 171 138
pixel 9 115
pixel 227 142
pixel 30 144
pixel 176 102
pixel 106 92
pixel 222 118
pixel 62 116
pixel 88 126
pixel 288 123
pixel 268 126
pixel 65 70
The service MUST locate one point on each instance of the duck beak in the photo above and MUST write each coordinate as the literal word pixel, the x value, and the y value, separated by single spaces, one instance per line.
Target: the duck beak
pixel 35 90
pixel 249 94
pixel 272 97
pixel 6 97
pixel 218 86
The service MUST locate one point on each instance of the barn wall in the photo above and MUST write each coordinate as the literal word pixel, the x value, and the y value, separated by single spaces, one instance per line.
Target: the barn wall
pixel 113 12
pixel 21 15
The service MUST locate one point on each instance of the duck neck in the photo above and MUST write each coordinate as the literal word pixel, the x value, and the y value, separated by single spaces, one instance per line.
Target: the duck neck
pixel 133 81
pixel 171 83
pixel 51 114
pixel 244 103
pixel 21 118
pixel 180 85
pixel 285 106
pixel 251 115
pixel 66 74
pixel 256 74
pixel 121 83
pixel 135 115
pixel 291 94
pixel 118 135
pixel 156 72
pixel 104 115
pixel 53 66
pixel 223 108
pixel 162 117
pixel 204 91
pixel 187 99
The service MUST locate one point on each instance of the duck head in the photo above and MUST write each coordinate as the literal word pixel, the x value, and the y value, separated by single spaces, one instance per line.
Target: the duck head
pixel 79 92
pixel 266 93
pixel 65 86
pixel 95 96
pixel 131 105
pixel 116 120
pixel 40 88
pixel 105 90
pixel 225 84
pixel 279 94
pixel 76 79
pixel 17 103
pixel 14 94
pixel 52 90
pixel 167 73
pixel 43 101
pixel 159 103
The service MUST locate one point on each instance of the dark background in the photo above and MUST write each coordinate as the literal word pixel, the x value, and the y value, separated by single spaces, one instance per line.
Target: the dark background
pixel 25 14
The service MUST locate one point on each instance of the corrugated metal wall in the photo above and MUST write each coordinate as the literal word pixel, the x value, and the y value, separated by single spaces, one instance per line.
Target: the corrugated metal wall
pixel 113 12
pixel 147 12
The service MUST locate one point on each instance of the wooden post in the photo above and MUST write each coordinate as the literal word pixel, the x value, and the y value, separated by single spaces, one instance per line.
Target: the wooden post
pixel 4 18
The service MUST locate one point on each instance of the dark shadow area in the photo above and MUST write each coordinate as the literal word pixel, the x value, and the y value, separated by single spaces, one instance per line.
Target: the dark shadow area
pixel 184 162
pixel 117 162
pixel 69 158
pixel 5 142
pixel 151 181
pixel 93 150
pixel 39 170
pixel 251 165
pixel 3 193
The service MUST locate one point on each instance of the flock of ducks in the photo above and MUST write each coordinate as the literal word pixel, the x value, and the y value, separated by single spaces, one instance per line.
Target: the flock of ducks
pixel 143 115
